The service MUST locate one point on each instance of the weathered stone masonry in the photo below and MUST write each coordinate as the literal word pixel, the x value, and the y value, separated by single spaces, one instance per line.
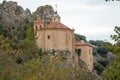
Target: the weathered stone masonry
pixel 57 36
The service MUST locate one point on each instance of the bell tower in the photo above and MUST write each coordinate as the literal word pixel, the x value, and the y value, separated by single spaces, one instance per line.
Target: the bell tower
pixel 38 23
pixel 56 17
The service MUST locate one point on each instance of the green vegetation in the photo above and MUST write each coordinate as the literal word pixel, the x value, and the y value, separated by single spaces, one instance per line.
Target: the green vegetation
pixel 101 50
pixel 4 31
pixel 113 70
pixel 99 68
pixel 80 37
pixel 22 60
pixel 101 47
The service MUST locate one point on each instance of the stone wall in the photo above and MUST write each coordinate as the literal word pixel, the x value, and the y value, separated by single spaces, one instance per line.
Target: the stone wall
pixel 86 55
pixel 58 39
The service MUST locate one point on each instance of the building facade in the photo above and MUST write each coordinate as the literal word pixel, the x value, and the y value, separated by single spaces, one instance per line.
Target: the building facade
pixel 84 51
pixel 54 36
pixel 59 37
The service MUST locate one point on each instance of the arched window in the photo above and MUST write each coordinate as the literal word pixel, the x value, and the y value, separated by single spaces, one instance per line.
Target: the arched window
pixel 78 51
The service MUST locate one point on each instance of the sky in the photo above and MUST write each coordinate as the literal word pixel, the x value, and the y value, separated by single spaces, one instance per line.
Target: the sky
pixel 94 19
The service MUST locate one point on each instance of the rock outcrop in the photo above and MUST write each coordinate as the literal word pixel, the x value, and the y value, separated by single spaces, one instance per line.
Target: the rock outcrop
pixel 27 16
pixel 14 18
pixel 72 60
pixel 16 11
pixel 45 12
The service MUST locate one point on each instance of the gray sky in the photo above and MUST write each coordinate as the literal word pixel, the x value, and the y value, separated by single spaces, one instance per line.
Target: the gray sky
pixel 93 18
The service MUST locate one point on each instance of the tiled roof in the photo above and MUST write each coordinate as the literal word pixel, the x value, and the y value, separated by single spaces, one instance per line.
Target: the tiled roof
pixel 80 43
pixel 57 25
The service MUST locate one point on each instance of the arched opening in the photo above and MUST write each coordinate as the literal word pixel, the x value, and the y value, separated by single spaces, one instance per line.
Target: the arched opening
pixel 35 27
pixel 78 51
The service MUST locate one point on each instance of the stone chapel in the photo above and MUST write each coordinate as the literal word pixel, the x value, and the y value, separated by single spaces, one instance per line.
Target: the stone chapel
pixel 59 37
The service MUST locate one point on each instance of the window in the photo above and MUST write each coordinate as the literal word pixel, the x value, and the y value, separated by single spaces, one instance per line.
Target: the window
pixel 40 26
pixel 89 51
pixel 48 36
pixel 78 51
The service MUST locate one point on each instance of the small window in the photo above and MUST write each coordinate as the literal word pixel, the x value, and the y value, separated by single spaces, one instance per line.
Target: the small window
pixel 78 51
pixel 48 36
pixel 89 51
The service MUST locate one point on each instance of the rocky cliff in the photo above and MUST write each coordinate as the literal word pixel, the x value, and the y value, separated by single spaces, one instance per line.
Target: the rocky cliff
pixel 16 11
pixel 79 70
pixel 45 12
pixel 14 18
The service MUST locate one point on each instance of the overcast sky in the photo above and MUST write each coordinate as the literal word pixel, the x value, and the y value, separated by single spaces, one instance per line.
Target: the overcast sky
pixel 95 19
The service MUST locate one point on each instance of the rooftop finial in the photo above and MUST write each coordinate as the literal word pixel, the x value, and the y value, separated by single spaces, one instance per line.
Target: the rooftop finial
pixel 55 7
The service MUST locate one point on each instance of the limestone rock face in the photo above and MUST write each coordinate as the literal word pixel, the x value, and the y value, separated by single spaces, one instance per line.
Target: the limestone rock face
pixel 14 18
pixel 9 6
pixel 27 16
pixel 13 12
pixel 72 60
pixel 45 12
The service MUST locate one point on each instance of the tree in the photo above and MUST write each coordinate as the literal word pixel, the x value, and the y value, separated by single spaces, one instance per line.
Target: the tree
pixel 45 68
pixel 101 47
pixel 80 37
pixel 8 55
pixel 98 67
pixel 113 70
pixel 97 42
pixel 116 37
pixel 102 50
pixel 4 32
pixel 30 33
pixel 6 45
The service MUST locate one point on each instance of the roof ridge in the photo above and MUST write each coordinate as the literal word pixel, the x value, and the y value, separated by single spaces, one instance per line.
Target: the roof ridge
pixel 57 25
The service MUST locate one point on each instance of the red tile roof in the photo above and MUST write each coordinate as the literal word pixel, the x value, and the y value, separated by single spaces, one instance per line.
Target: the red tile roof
pixel 57 25
pixel 81 43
